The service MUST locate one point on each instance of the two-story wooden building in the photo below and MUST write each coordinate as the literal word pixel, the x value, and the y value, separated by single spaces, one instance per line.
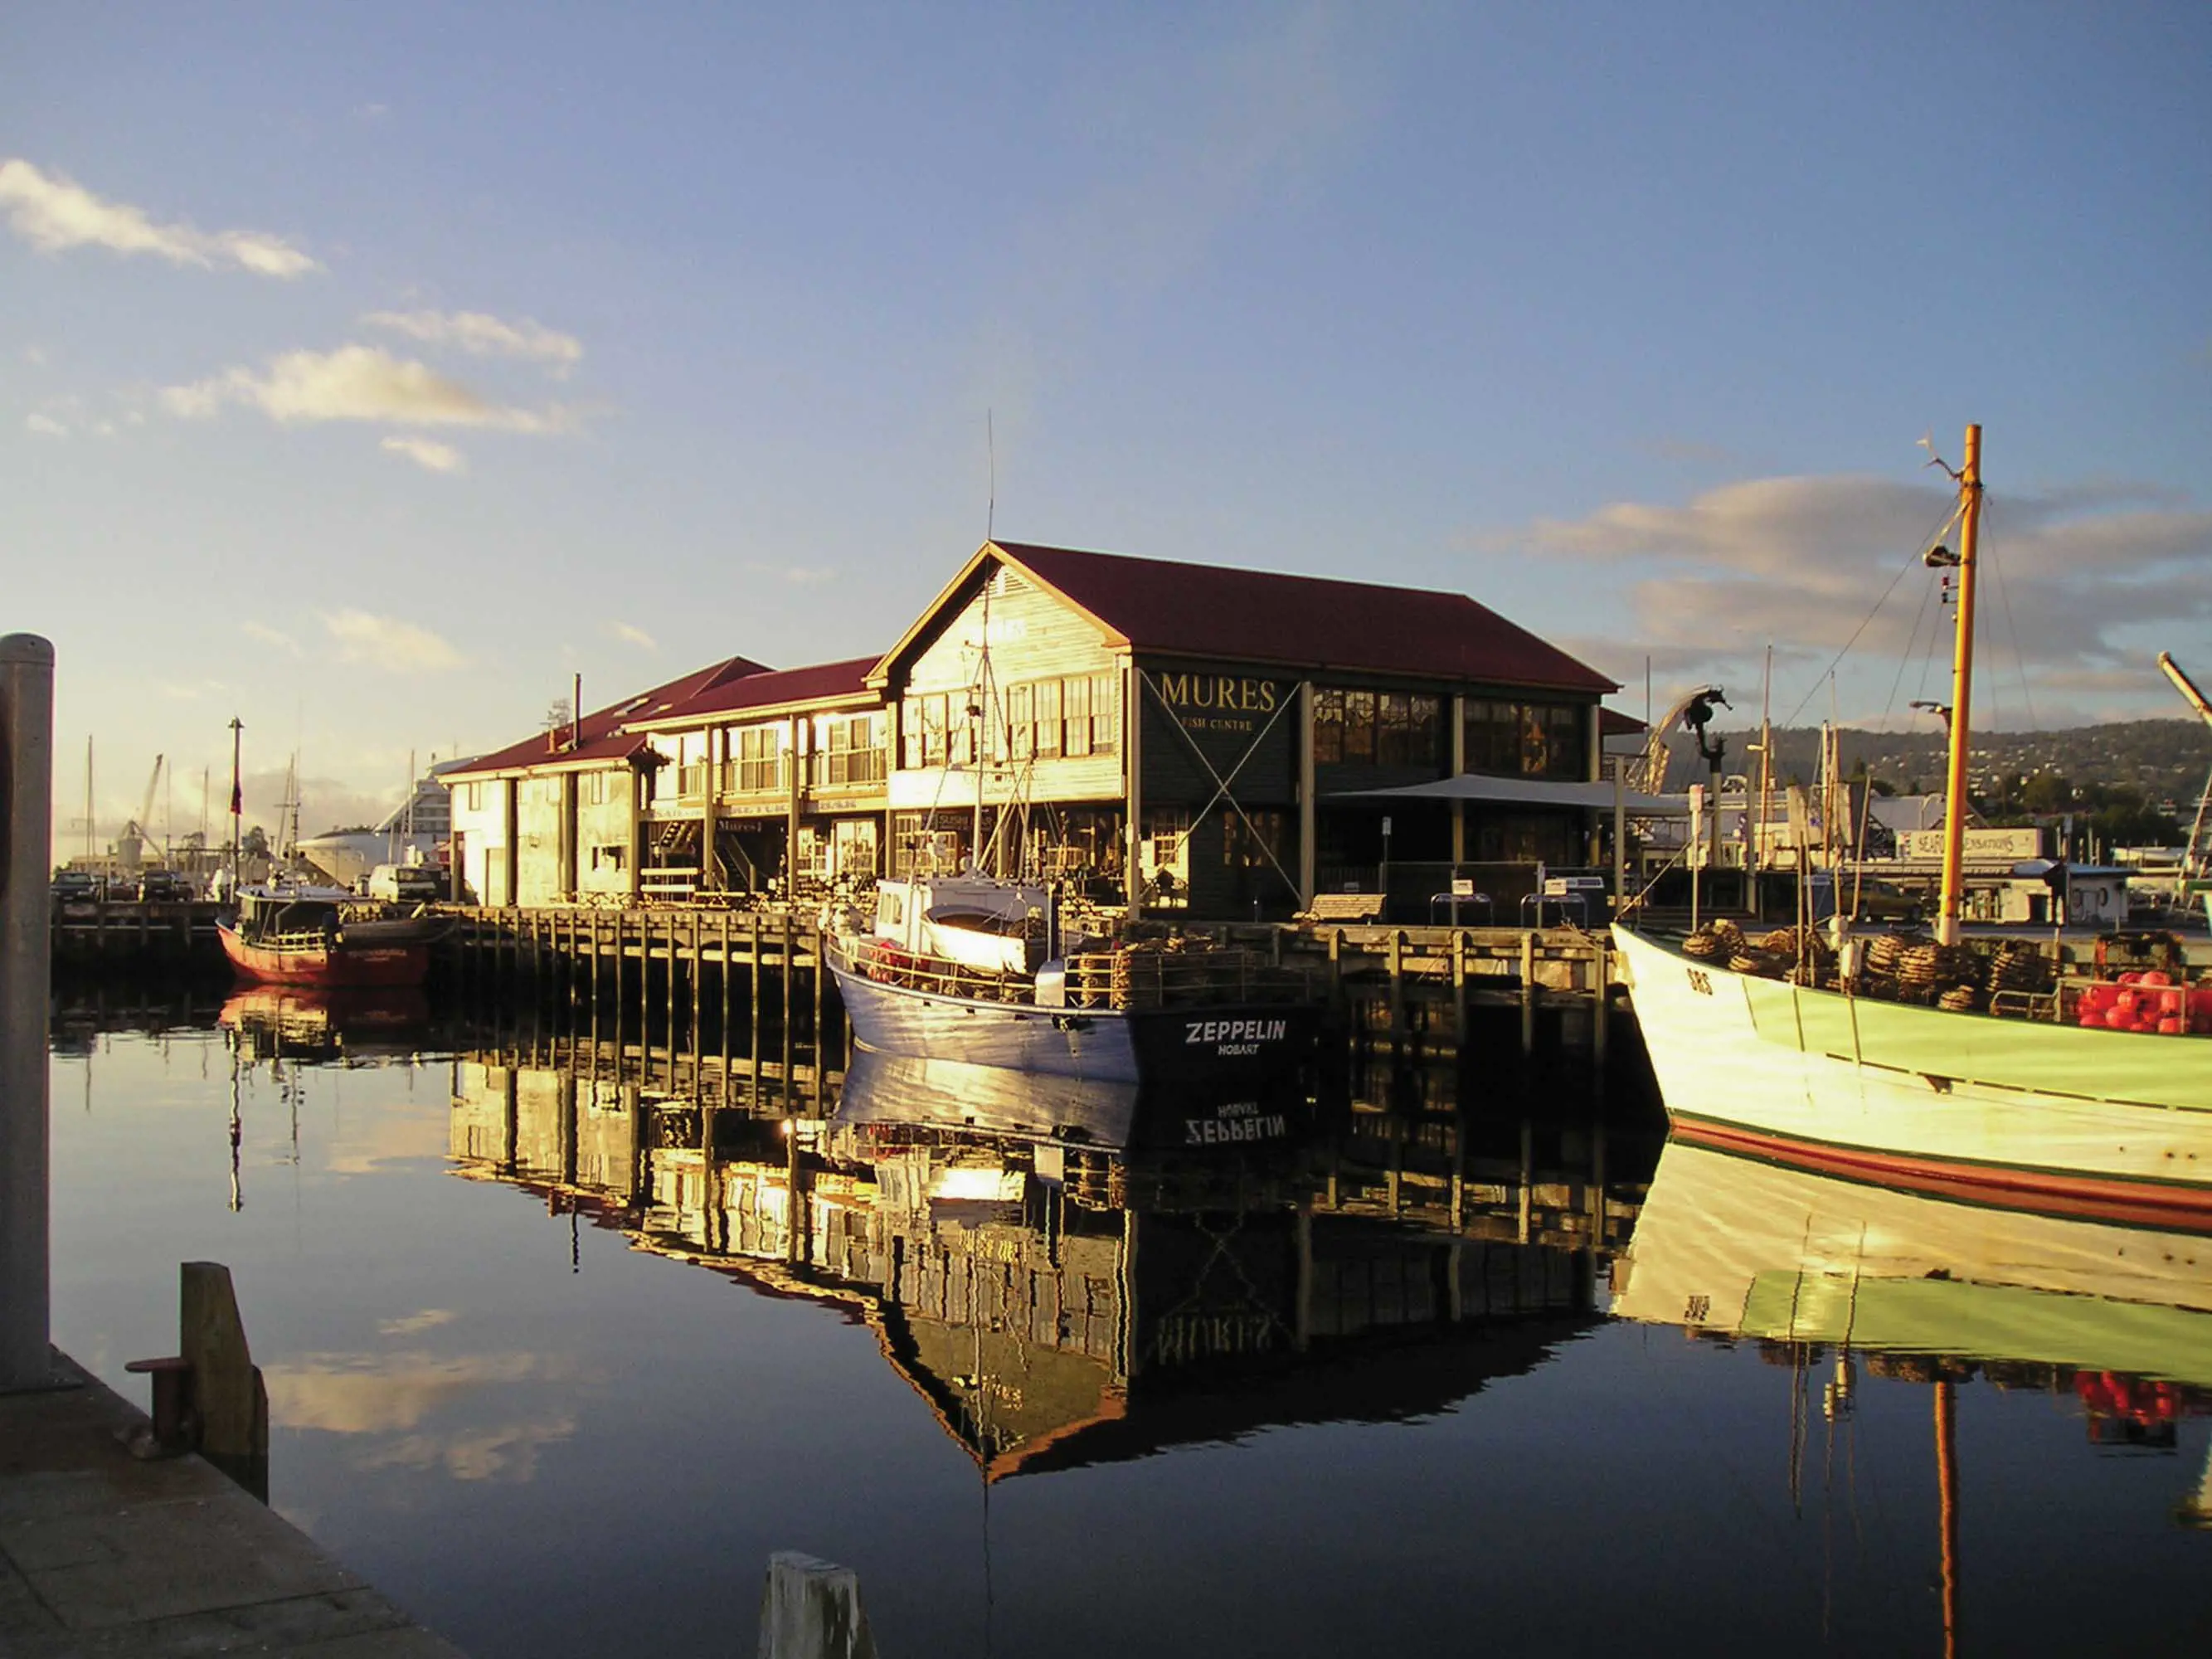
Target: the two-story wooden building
pixel 1217 729
pixel 1079 715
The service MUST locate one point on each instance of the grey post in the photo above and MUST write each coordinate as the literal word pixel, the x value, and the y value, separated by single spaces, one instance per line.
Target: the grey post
pixel 27 737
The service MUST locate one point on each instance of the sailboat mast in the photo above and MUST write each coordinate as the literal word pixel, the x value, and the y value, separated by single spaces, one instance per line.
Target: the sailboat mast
pixel 1962 687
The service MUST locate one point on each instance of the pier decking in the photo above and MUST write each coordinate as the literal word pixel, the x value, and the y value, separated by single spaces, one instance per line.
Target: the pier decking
pixel 100 1553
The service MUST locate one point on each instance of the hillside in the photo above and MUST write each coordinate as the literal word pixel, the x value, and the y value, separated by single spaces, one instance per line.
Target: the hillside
pixel 2164 762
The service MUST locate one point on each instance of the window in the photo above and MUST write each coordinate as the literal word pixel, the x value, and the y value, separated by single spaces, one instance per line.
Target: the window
pixel 1075 701
pixel 1512 740
pixel 1329 728
pixel 1359 725
pixel 1048 720
pixel 759 758
pixel 1021 721
pixel 1105 713
pixel 1241 849
pixel 934 731
pixel 854 755
pixel 474 798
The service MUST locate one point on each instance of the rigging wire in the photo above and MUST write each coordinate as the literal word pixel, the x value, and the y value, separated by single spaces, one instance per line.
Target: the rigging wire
pixel 1934 536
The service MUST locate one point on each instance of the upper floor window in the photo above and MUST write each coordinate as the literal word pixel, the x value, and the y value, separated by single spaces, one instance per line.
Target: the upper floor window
pixel 1386 728
pixel 1526 739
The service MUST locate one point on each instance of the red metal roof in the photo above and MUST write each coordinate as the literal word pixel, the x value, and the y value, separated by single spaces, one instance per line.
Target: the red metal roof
pixel 817 683
pixel 1212 610
pixel 601 731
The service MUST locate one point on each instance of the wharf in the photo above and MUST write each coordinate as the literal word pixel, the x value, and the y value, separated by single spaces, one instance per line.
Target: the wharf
pixel 103 1555
pixel 153 931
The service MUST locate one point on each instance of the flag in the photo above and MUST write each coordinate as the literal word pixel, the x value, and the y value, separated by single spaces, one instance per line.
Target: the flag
pixel 237 802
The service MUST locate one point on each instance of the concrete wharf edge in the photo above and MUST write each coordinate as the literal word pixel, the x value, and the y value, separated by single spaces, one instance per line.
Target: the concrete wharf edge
pixel 105 1557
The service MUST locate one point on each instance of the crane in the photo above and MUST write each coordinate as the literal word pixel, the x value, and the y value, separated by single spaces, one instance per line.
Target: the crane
pixel 131 845
pixel 2191 868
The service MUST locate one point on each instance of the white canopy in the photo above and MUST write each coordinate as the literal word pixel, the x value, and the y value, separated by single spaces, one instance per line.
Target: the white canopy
pixel 1526 792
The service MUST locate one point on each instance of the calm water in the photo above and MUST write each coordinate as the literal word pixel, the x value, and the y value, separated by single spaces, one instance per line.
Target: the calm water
pixel 1472 1367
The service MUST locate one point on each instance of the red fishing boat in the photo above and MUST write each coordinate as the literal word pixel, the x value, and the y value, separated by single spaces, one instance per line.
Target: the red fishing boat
pixel 325 937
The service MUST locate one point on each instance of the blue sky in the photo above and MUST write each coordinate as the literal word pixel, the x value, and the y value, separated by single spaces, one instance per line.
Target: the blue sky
pixel 369 371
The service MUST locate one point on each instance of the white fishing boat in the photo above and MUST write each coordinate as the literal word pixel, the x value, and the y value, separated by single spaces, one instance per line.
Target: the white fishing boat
pixel 971 968
pixel 2091 1100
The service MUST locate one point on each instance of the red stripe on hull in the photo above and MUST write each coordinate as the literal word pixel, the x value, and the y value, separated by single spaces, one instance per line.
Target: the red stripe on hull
pixel 342 967
pixel 2042 1192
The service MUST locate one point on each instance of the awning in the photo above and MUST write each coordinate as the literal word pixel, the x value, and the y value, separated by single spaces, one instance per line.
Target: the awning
pixel 1525 792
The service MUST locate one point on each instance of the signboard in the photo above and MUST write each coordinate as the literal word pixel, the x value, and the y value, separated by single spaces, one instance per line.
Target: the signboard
pixel 1982 846
pixel 1204 726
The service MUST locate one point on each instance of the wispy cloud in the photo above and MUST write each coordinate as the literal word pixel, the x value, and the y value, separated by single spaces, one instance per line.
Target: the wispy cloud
pixel 355 383
pixel 482 335
pixel 799 575
pixel 630 634
pixel 428 453
pixel 414 1323
pixel 45 426
pixel 386 642
pixel 267 635
pixel 54 214
pixel 1825 567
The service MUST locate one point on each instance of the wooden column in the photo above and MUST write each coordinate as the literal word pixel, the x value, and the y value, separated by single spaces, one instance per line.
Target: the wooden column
pixel 1458 765
pixel 636 871
pixel 791 823
pixel 1529 993
pixel 1133 750
pixel 784 1021
pixel 1309 808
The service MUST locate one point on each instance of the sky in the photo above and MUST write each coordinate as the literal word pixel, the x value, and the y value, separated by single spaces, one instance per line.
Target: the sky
pixel 368 372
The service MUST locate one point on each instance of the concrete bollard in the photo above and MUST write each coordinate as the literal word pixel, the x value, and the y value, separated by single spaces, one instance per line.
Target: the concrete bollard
pixel 27 739
pixel 810 1609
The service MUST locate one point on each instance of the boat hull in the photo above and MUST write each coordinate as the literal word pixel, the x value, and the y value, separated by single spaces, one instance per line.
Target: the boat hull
pixel 2103 1124
pixel 338 965
pixel 1098 1045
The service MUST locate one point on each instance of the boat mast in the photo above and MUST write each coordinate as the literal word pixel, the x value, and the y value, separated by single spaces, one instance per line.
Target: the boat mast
pixel 1962 686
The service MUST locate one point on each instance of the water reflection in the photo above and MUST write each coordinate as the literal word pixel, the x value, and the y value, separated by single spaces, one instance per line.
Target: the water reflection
pixel 1824 1273
pixel 1056 1301
pixel 571 1269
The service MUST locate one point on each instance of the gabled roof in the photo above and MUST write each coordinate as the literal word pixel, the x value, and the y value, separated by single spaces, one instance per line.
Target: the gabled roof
pixel 1313 623
pixel 601 733
pixel 826 682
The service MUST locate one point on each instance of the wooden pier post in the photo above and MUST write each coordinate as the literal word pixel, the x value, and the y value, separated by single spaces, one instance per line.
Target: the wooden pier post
pixel 1396 958
pixel 810 1609
pixel 821 1060
pixel 1601 1003
pixel 784 1015
pixel 753 1011
pixel 26 722
pixel 1527 993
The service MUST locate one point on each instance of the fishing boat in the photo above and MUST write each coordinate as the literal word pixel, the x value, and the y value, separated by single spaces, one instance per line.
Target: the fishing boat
pixel 325 937
pixel 975 969
pixel 1975 1074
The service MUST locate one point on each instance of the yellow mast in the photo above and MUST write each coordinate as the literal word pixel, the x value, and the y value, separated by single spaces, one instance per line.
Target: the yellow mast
pixel 1962 686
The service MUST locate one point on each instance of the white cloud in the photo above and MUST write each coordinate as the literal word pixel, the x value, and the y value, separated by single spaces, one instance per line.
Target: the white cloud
pixel 799 575
pixel 45 426
pixel 2072 576
pixel 53 214
pixel 630 634
pixel 482 335
pixel 267 635
pixel 354 383
pixel 426 453
pixel 386 642
pixel 35 355
pixel 413 1324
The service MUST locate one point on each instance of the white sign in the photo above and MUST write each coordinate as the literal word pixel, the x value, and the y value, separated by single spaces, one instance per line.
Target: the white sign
pixel 1993 845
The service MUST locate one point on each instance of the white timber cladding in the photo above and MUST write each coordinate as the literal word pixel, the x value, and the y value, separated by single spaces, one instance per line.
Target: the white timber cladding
pixel 1055 718
pixel 480 825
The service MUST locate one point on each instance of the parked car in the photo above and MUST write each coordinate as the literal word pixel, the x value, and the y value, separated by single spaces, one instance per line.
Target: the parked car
pixel 166 885
pixel 69 884
pixel 406 883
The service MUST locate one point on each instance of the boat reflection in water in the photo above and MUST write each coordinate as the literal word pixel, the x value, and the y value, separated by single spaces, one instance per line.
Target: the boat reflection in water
pixel 1929 1289
pixel 1056 1301
pixel 291 1021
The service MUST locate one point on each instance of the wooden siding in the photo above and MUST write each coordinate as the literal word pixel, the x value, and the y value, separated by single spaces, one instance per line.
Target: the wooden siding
pixel 1033 636
pixel 1223 711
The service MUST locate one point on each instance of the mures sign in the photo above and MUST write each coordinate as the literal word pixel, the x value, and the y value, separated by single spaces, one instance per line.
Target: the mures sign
pixel 1220 702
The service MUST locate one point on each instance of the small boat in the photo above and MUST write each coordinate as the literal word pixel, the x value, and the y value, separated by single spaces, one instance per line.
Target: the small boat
pixel 1930 1065
pixel 325 937
pixel 974 969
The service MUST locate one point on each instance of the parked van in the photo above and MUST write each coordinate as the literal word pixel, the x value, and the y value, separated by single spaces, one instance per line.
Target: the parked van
pixel 405 883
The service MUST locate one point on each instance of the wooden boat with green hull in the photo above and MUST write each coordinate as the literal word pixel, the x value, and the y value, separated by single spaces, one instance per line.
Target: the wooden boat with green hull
pixel 2040 1110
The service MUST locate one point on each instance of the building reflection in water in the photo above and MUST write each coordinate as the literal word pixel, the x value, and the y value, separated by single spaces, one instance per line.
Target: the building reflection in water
pixel 1057 1302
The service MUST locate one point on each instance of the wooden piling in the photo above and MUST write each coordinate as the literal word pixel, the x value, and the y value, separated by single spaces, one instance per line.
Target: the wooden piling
pixel 1527 993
